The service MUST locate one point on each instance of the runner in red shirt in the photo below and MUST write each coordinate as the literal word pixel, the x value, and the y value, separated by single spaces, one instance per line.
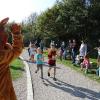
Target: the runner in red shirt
pixel 52 59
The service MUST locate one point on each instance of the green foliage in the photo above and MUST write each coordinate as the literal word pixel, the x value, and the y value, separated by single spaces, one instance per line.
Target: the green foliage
pixel 29 28
pixel 70 18
pixel 66 19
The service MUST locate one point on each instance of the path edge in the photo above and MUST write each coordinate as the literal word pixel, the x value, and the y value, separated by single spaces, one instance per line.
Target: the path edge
pixel 29 80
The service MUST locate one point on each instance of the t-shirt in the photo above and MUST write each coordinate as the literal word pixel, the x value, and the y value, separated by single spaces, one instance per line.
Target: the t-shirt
pixel 32 51
pixel 39 58
pixel 83 49
pixel 51 57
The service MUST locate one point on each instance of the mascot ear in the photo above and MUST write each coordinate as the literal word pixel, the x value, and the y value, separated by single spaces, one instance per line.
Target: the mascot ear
pixel 4 21
pixel 3 35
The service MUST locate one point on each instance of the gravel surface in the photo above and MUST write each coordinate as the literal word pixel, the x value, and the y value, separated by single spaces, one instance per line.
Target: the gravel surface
pixel 70 85
pixel 20 87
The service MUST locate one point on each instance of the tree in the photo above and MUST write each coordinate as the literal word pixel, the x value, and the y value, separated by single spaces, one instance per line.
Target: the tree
pixel 29 28
pixel 68 19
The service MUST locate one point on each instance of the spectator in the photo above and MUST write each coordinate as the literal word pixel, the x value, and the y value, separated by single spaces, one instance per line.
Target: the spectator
pixel 63 45
pixel 70 46
pixel 41 45
pixel 29 49
pixel 52 43
pixel 65 54
pixel 83 50
pixel 98 58
pixel 60 53
pixel 74 51
pixel 98 61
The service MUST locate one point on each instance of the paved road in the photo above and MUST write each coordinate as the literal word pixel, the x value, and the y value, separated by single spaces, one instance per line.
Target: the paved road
pixel 70 85
pixel 20 87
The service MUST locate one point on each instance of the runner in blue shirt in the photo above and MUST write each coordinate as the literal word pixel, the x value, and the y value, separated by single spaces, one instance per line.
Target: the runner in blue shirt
pixel 39 61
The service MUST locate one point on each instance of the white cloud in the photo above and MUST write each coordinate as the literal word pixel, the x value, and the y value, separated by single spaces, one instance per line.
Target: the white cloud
pixel 19 9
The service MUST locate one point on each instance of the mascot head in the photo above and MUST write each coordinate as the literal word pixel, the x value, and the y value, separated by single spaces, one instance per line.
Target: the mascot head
pixel 3 34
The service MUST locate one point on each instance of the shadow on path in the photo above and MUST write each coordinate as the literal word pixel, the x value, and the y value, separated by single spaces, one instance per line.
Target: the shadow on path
pixel 73 90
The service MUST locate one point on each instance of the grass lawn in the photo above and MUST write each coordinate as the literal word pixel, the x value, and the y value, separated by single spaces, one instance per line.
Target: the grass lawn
pixel 91 74
pixel 17 68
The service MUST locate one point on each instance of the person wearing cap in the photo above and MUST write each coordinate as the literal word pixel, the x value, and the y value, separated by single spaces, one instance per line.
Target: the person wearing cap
pixel 8 53
pixel 52 59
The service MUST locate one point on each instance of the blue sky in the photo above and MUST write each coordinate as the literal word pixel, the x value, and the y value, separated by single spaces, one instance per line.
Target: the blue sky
pixel 17 10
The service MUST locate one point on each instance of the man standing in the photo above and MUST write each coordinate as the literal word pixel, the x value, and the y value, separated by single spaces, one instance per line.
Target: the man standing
pixel 42 45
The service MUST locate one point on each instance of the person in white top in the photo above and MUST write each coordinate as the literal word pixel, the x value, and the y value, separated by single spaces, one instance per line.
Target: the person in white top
pixel 83 49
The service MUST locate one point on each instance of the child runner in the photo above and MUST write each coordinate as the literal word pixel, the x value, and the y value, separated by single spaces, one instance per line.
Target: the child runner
pixel 52 60
pixel 32 52
pixel 39 61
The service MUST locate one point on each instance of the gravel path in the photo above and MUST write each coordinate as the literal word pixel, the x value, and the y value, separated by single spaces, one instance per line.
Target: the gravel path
pixel 70 85
pixel 20 87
